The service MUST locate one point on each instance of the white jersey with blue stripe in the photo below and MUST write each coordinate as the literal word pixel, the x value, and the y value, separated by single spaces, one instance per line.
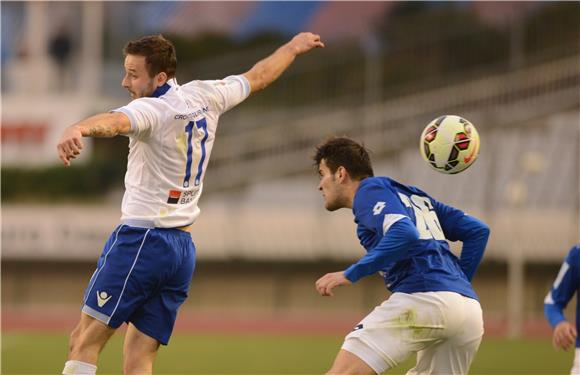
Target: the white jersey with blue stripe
pixel 405 233
pixel 171 138
pixel 567 284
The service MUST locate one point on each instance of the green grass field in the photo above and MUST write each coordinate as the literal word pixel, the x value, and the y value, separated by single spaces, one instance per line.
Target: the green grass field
pixel 263 354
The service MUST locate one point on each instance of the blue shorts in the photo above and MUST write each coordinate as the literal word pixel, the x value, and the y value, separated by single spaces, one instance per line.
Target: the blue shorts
pixel 142 277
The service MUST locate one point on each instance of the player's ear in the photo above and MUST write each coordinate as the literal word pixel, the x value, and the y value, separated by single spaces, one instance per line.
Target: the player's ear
pixel 341 173
pixel 161 78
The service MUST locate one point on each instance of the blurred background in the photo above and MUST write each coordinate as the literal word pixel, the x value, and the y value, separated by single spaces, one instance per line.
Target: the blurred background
pixel 511 68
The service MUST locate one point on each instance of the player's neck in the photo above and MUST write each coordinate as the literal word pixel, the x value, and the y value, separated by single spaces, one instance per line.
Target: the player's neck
pixel 351 190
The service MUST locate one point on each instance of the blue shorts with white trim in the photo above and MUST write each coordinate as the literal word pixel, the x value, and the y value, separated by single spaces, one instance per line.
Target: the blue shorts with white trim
pixel 142 277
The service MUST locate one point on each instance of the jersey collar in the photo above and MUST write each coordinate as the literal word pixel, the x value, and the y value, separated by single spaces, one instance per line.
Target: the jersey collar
pixel 161 90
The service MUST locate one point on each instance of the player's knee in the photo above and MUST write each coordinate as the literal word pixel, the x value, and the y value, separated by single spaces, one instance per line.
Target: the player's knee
pixel 86 343
pixel 74 338
pixel 342 371
pixel 77 346
pixel 137 363
pixel 137 369
pixel 349 370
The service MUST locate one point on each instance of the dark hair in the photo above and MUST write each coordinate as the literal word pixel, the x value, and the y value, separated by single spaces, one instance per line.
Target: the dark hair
pixel 343 151
pixel 159 54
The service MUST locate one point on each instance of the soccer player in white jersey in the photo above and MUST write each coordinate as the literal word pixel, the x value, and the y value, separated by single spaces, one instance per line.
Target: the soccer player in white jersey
pixel 144 272
pixel 566 285
pixel 433 310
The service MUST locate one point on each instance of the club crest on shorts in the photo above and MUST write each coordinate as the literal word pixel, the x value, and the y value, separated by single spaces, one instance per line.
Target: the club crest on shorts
pixel 102 298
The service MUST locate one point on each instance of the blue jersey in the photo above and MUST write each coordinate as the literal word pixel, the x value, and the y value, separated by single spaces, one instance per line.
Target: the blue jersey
pixel 405 233
pixel 567 283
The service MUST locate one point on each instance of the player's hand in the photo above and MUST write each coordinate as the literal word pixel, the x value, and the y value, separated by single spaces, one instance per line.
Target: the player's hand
pixel 304 42
pixel 326 283
pixel 564 335
pixel 69 145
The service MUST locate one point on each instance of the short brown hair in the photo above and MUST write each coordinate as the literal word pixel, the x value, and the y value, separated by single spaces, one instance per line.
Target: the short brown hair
pixel 159 54
pixel 345 152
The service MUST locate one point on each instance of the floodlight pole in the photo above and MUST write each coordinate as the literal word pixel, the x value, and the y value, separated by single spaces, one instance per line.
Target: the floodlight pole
pixel 92 47
pixel 35 46
pixel 517 196
pixel 372 47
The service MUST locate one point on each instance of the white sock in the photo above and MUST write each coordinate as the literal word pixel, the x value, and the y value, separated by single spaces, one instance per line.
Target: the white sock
pixel 79 368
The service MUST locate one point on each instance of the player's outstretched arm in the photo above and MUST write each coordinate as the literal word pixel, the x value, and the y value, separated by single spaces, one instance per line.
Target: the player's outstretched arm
pixel 101 125
pixel 269 69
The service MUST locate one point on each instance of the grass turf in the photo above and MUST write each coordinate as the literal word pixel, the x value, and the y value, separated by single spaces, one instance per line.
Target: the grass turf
pixel 26 353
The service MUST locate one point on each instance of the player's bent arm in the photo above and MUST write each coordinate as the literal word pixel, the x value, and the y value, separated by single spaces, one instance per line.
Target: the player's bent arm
pixel 101 125
pixel 474 234
pixel 392 247
pixel 269 69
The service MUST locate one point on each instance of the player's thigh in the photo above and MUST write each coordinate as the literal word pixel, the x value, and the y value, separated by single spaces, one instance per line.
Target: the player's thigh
pixel 445 358
pixel 136 269
pixel 156 317
pixel 123 277
pixel 454 353
pixel 401 326
pixel 347 363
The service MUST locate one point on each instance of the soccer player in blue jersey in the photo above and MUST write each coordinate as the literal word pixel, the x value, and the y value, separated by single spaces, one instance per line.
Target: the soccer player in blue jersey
pixel 433 310
pixel 566 285
pixel 144 272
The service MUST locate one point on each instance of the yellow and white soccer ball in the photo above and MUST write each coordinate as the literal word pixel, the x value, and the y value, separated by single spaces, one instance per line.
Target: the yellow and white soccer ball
pixel 449 144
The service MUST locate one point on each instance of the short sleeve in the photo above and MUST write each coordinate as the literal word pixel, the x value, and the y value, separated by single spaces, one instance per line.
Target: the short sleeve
pixel 227 92
pixel 377 206
pixel 143 115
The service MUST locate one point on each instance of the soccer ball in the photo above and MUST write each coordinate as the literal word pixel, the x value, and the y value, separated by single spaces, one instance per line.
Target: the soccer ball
pixel 449 144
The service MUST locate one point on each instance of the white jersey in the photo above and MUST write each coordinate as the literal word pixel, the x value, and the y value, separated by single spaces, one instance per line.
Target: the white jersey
pixel 171 139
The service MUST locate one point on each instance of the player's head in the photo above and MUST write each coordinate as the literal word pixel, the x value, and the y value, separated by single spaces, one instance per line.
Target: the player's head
pixel 341 162
pixel 149 62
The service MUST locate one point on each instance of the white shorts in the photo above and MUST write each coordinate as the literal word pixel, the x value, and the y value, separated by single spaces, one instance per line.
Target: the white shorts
pixel 443 328
pixel 576 366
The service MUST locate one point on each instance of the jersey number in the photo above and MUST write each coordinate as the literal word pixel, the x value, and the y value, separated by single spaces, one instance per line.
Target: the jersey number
pixel 425 216
pixel 200 124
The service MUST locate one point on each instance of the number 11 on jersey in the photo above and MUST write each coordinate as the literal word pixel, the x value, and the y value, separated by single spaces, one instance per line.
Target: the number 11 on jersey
pixel 200 124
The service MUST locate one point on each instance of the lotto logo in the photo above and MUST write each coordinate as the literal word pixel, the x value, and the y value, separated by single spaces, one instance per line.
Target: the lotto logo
pixel 378 208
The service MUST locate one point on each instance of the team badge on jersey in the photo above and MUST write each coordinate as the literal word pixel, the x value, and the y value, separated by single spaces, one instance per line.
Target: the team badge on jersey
pixel 174 196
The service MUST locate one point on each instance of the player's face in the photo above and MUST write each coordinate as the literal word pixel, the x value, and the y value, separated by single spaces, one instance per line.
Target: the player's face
pixel 330 188
pixel 137 80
